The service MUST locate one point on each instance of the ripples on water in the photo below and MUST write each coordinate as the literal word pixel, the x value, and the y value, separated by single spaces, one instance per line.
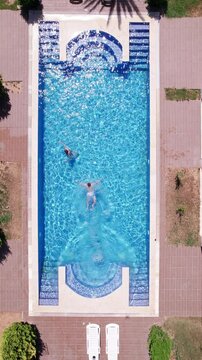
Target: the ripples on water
pixel 103 116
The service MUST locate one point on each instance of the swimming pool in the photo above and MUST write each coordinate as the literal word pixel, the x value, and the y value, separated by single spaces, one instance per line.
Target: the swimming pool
pixel 96 90
pixel 98 106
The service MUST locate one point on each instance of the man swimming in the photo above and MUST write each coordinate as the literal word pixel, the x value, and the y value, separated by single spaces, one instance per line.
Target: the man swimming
pixel 72 155
pixel 90 196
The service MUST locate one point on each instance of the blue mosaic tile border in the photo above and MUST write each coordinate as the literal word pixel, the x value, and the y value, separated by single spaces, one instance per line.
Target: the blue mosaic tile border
pixel 93 292
pixel 96 43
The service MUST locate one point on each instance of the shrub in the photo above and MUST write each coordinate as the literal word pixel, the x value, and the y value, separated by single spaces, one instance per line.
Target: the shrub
pixel 159 343
pixel 19 342
pixel 180 211
pixel 2 88
pixel 4 249
pixel 157 5
pixel 5 104
pixel 2 238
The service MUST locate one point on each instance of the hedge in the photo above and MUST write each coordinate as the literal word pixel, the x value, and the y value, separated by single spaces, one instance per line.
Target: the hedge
pixel 159 343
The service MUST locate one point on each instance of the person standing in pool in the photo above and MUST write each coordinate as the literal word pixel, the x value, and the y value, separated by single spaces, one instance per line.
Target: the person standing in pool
pixel 90 195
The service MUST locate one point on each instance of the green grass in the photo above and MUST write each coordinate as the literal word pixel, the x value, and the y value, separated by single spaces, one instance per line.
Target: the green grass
pixel 192 239
pixel 187 337
pixel 5 6
pixel 180 8
pixel 182 94
pixel 5 214
pixel 5 218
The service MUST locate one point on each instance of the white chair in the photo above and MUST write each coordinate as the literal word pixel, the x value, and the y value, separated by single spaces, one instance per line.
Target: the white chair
pixel 93 341
pixel 112 341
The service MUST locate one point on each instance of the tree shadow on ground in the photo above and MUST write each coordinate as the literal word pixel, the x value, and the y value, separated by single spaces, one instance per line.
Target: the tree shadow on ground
pixel 154 6
pixel 5 105
pixel 41 347
pixel 118 7
pixel 36 11
pixel 4 247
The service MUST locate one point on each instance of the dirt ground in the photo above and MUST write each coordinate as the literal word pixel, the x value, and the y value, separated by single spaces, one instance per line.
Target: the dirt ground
pixel 187 336
pixel 13 86
pixel 182 206
pixel 11 177
pixel 196 11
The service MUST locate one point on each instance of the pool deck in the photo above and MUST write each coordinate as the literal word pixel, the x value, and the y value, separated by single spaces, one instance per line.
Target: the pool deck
pixel 180 127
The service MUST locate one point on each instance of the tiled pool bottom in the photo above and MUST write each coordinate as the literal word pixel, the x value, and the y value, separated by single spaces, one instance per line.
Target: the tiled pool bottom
pixel 139 294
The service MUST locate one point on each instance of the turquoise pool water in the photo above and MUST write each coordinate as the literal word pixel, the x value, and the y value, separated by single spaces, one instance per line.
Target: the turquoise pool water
pixel 104 116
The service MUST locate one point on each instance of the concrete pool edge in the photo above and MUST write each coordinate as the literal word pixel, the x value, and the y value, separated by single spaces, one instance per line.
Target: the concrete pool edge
pixel 110 300
pixel 32 171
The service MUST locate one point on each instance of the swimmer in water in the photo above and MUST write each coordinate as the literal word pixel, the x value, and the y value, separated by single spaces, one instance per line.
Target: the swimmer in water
pixel 90 196
pixel 72 155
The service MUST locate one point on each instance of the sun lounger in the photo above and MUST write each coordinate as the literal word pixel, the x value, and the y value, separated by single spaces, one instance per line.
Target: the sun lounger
pixel 112 341
pixel 93 341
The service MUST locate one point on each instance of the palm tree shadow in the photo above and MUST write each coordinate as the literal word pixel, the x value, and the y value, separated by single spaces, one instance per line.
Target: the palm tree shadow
pixel 118 7
pixel 4 248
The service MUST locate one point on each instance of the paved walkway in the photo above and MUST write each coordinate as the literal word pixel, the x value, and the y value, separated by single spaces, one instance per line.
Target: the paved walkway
pixel 180 268
pixel 180 128
pixel 13 147
pixel 93 7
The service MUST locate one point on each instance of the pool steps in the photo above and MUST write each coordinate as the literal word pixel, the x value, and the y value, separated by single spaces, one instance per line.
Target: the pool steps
pixel 139 287
pixel 100 44
pixel 48 294
pixel 96 41
pixel 49 49
pixel 139 46
pixel 93 291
